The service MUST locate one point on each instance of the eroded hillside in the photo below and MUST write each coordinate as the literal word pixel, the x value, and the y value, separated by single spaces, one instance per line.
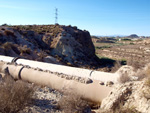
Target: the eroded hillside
pixel 50 43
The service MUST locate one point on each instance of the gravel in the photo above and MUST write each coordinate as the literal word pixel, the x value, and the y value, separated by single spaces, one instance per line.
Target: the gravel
pixel 45 101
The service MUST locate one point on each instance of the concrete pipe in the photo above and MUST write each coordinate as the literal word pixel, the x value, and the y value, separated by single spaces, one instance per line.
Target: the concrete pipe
pixel 56 68
pixel 72 71
pixel 93 91
pixel 103 76
pixel 6 58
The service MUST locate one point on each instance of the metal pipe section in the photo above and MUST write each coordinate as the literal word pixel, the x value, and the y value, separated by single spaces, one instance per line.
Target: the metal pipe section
pixel 72 71
pixel 93 91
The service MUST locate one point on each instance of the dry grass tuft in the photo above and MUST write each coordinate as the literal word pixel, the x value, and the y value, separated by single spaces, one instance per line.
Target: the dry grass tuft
pixel 73 103
pixel 147 71
pixel 14 95
pixel 144 73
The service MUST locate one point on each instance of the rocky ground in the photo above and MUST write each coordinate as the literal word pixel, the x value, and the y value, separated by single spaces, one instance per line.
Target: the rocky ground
pixel 131 97
pixel 46 101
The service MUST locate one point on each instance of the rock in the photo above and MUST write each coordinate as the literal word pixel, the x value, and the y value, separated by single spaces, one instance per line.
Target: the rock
pixel 109 83
pixel 88 80
pixel 101 83
pixel 128 95
pixel 50 59
pixel 27 66
pixel 39 69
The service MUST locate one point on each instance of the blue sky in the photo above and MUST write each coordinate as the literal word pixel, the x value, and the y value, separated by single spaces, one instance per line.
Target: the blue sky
pixel 99 17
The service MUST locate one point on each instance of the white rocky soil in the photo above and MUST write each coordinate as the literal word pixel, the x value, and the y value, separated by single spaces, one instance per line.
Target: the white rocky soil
pixel 130 95
pixel 45 101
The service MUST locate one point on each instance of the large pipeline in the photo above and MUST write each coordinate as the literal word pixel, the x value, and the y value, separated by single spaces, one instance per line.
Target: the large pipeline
pixel 92 91
pixel 72 71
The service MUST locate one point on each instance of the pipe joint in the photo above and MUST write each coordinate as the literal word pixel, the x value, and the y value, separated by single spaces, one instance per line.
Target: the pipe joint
pixel 15 59
pixel 19 73
pixel 91 73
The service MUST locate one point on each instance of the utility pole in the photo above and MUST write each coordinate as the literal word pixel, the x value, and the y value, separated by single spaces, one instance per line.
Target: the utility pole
pixel 56 16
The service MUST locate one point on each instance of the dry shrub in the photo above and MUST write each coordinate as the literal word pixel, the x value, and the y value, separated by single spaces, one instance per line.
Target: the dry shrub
pixel 147 82
pixel 41 56
pixel 124 78
pixel 144 73
pixel 7 45
pixel 147 70
pixel 126 74
pixel 9 33
pixel 73 103
pixel 14 95
pixel 146 93
pixel 136 64
pixel 25 49
pixel 117 65
pixel 140 74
